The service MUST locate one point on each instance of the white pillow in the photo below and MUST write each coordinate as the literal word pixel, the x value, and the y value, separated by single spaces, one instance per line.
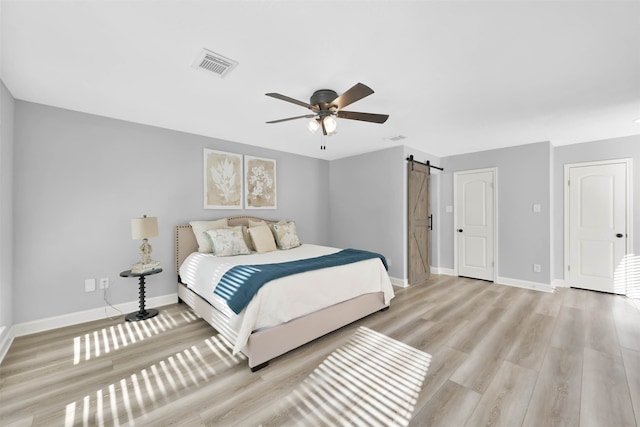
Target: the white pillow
pixel 286 235
pixel 262 238
pixel 228 241
pixel 200 228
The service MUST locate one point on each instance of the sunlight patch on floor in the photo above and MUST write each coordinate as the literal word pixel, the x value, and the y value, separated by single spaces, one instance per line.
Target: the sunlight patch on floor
pixel 626 278
pixel 106 340
pixel 372 380
pixel 125 401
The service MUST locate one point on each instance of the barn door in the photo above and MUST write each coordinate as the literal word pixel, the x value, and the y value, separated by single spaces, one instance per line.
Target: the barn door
pixel 418 212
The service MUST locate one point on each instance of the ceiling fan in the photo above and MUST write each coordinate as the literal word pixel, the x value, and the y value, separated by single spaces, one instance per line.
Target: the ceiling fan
pixel 326 105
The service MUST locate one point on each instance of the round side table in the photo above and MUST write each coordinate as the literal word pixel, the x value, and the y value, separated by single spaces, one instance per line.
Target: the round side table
pixel 143 313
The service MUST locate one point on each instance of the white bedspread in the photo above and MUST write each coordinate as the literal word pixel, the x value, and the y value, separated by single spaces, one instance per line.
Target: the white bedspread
pixel 289 297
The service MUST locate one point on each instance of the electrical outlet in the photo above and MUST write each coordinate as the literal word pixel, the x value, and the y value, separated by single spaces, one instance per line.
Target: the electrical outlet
pixel 104 283
pixel 389 262
pixel 536 268
pixel 89 285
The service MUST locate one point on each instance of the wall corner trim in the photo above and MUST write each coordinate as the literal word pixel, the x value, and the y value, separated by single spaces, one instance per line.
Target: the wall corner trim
pixel 403 283
pixel 559 283
pixel 442 270
pixel 5 343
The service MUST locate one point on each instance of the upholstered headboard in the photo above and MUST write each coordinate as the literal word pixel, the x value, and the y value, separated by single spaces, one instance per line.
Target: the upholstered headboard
pixel 186 241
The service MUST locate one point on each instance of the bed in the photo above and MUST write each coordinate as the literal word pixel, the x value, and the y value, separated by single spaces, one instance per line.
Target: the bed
pixel 362 288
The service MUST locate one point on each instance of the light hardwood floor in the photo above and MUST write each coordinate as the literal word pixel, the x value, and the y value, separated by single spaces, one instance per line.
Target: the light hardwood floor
pixel 497 356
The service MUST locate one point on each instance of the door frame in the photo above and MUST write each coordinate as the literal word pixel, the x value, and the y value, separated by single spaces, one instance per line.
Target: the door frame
pixel 495 218
pixel 628 215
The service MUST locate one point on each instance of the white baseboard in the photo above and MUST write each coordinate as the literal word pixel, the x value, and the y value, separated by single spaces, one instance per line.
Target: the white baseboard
pixel 559 283
pixel 536 286
pixel 403 283
pixel 442 270
pixel 6 339
pixel 49 323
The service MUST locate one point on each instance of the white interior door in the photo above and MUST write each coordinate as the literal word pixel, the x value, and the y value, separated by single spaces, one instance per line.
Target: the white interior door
pixel 475 217
pixel 597 206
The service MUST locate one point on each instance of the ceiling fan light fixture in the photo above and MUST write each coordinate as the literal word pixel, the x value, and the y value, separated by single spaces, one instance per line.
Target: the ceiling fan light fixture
pixel 313 125
pixel 330 124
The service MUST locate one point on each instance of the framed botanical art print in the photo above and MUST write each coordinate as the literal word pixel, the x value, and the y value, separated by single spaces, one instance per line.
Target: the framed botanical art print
pixel 223 184
pixel 260 183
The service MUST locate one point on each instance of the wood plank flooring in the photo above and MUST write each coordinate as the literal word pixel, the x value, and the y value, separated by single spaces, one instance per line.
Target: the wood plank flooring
pixel 499 356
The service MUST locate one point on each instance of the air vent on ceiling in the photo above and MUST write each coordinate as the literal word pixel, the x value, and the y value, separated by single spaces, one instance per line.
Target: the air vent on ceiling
pixel 214 63
pixel 396 138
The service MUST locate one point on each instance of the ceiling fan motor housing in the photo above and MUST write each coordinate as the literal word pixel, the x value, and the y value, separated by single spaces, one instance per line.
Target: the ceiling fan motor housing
pixel 323 98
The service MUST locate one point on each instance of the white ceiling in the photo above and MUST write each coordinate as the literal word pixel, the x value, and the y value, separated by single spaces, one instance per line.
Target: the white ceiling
pixel 455 77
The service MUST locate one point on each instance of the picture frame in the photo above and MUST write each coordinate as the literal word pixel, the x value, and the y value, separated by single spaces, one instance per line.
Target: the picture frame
pixel 260 183
pixel 223 180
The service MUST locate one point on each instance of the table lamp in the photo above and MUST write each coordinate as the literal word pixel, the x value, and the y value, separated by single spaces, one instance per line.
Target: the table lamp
pixel 143 228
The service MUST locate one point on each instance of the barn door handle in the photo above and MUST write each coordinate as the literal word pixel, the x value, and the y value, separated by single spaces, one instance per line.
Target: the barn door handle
pixel 619 235
pixel 431 222
pixel 459 230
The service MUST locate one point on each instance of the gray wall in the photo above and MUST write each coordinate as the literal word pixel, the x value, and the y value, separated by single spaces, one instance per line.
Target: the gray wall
pixel 616 148
pixel 523 178
pixel 6 209
pixel 80 178
pixel 368 196
pixel 367 205
pixel 76 180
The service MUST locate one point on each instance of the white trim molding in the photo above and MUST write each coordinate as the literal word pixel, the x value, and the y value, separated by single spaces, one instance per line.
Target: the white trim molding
pixel 559 283
pixel 403 283
pixel 49 323
pixel 444 271
pixel 525 284
pixel 5 341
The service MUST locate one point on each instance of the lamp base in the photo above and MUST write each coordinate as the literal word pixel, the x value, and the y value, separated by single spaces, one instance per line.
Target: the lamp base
pixel 141 315
pixel 145 268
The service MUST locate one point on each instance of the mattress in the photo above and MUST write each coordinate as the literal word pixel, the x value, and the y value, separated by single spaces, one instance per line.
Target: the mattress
pixel 287 298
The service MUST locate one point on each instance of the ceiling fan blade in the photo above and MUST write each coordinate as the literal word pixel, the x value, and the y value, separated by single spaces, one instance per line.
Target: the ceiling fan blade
pixel 354 94
pixel 306 116
pixel 293 101
pixel 365 117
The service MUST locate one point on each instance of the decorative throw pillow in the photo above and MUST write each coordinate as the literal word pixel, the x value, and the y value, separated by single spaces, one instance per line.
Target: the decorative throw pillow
pixel 286 235
pixel 247 238
pixel 199 230
pixel 258 223
pixel 228 241
pixel 262 238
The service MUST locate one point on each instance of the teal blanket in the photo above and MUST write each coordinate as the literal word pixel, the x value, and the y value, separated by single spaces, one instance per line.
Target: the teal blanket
pixel 239 284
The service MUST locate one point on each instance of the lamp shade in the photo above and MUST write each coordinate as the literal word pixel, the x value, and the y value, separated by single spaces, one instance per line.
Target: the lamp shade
pixel 330 124
pixel 313 125
pixel 143 228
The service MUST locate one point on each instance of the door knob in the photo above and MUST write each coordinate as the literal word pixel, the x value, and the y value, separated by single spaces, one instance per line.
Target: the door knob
pixel 459 230
pixel 619 235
